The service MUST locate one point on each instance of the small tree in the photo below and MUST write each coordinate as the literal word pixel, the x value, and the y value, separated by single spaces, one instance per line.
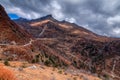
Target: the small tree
pixel 37 58
pixel 47 63
pixel 33 61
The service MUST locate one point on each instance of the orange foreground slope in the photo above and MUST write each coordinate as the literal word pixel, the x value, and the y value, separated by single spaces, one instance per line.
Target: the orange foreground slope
pixel 38 72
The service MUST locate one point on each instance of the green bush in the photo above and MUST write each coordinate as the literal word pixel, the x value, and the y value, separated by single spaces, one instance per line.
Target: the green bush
pixel 47 63
pixel 6 62
pixel 33 61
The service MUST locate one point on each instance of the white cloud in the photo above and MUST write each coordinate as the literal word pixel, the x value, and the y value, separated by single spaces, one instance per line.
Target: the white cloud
pixel 113 20
pixel 116 30
pixel 55 5
pixel 56 10
pixel 72 20
pixel 74 1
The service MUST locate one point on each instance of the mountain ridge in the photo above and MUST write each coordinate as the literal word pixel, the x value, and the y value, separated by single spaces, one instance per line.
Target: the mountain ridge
pixel 65 24
pixel 10 31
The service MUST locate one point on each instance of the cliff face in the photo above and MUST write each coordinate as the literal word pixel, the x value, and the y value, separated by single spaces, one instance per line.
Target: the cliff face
pixel 10 31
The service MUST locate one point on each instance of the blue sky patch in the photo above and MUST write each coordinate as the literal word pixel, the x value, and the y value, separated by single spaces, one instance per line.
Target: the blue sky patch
pixel 13 16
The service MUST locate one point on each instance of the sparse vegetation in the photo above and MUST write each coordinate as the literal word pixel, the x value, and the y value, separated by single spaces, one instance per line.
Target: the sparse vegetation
pixel 93 69
pixel 6 62
pixel 106 77
pixel 47 63
pixel 24 65
pixel 60 71
pixel 33 61
pixel 37 58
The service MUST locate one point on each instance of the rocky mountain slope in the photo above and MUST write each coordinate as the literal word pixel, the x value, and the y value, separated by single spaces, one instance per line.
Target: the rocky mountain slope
pixel 62 44
pixel 80 47
pixel 57 29
pixel 10 31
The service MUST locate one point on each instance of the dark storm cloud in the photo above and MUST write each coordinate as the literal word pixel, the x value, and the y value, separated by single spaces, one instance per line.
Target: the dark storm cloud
pixel 99 16
pixel 30 5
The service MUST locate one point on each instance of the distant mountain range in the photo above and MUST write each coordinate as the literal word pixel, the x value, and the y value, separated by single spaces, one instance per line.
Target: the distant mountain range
pixel 59 44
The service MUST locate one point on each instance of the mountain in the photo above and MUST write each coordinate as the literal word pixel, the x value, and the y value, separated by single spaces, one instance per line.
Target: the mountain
pixel 10 31
pixel 79 47
pixel 61 44
pixel 55 29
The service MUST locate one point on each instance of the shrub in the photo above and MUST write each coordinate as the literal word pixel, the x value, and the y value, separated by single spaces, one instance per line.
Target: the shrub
pixel 106 77
pixel 33 61
pixel 37 60
pixel 60 71
pixel 37 56
pixel 6 74
pixel 6 62
pixel 47 63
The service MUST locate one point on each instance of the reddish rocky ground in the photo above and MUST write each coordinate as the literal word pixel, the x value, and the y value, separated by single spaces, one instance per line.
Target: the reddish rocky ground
pixel 26 71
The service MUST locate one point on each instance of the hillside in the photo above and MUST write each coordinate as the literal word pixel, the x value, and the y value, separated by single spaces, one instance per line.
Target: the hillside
pixel 26 71
pixel 58 29
pixel 80 47
pixel 10 31
pixel 59 44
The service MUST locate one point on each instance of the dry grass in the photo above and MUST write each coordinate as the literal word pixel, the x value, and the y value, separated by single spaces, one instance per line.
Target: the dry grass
pixel 41 72
pixel 6 74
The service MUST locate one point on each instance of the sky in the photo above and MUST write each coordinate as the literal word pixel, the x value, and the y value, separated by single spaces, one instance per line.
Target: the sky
pixel 100 16
pixel 13 16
